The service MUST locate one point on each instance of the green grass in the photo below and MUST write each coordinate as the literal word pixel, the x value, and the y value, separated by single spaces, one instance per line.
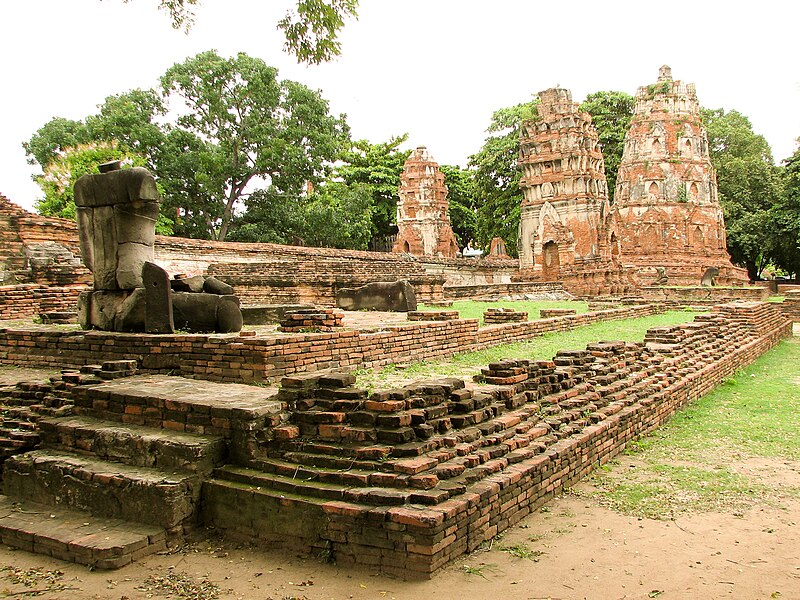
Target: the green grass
pixel 540 348
pixel 699 460
pixel 471 309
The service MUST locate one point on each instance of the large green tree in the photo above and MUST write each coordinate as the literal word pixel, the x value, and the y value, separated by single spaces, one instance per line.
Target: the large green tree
pixel 377 166
pixel 238 128
pixel 497 176
pixel 611 114
pixel 251 125
pixel 749 187
pixel 786 218
pixel 462 201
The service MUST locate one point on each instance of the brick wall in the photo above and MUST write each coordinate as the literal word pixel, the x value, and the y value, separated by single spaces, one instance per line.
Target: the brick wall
pixel 27 301
pixel 236 358
pixel 494 455
pixel 550 289
pixel 715 294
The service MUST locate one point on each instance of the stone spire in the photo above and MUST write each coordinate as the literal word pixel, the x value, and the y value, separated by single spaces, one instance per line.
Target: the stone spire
pixel 423 221
pixel 563 182
pixel 667 187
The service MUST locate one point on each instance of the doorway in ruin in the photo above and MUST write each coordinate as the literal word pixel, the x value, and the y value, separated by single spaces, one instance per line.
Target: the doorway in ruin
pixel 550 262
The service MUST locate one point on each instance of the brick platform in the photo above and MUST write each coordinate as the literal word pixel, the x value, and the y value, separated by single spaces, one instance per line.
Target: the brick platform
pixel 247 358
pixel 406 480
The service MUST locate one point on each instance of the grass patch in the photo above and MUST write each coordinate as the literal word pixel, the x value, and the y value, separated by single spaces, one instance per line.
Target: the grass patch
pixel 697 461
pixel 471 309
pixel 522 550
pixel 540 348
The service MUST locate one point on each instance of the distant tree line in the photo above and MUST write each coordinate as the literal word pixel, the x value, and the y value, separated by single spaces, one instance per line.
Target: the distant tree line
pixel 241 155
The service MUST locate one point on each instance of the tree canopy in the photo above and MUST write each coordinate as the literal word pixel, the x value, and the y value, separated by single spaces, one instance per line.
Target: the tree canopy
pixel 611 114
pixel 237 125
pixel 497 176
pixel 311 28
pixel 750 187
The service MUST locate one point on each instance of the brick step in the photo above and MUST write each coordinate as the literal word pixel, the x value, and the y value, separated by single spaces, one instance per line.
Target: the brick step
pixel 167 498
pixel 345 477
pixel 76 536
pixel 177 403
pixel 134 445
pixel 308 485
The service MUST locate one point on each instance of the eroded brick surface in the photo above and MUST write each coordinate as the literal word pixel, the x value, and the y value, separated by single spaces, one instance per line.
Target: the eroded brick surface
pixel 667 189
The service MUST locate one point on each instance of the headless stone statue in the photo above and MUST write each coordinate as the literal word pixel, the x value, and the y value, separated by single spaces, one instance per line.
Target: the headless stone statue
pixel 117 213
pixel 710 277
pixel 661 276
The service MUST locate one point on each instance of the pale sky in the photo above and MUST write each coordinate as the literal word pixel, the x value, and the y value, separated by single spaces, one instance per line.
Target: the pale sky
pixel 436 69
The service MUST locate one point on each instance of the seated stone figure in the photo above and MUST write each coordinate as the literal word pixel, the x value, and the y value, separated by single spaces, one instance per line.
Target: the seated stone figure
pixel 117 212
pixel 661 276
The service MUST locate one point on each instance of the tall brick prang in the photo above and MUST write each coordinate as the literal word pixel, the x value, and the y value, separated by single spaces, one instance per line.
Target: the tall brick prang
pixel 667 189
pixel 567 229
pixel 422 213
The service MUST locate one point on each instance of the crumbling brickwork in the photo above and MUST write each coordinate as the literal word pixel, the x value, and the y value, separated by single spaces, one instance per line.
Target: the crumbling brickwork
pixel 667 189
pixel 406 480
pixel 36 249
pixel 423 220
pixel 249 358
pixel 567 231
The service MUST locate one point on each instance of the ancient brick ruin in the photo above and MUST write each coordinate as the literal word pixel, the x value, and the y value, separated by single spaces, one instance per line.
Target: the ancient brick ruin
pixel 666 193
pixel 402 480
pixel 567 231
pixel 423 220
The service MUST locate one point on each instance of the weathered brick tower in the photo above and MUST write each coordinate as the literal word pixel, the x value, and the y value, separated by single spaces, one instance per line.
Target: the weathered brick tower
pixel 422 212
pixel 566 227
pixel 667 190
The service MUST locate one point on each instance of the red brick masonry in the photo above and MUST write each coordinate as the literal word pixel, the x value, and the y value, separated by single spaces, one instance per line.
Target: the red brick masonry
pixel 247 359
pixel 406 480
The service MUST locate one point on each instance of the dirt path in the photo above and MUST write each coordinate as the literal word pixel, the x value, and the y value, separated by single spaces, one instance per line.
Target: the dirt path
pixel 579 549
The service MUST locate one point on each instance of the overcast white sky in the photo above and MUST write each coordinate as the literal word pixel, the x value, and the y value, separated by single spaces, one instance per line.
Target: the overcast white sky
pixel 436 69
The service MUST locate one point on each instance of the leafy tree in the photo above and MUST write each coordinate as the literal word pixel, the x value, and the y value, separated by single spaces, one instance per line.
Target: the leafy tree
pixel 497 176
pixel 338 216
pixel 463 202
pixel 611 114
pixel 377 166
pixel 334 216
pixel 240 127
pixel 52 139
pixel 65 168
pixel 250 125
pixel 311 28
pixel 749 187
pixel 786 218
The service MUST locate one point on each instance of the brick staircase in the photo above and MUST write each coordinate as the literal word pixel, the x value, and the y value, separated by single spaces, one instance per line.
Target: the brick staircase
pixel 121 477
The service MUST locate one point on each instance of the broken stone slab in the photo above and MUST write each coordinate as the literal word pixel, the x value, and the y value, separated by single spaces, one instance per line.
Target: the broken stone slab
pixel 158 316
pixel 394 296
pixel 212 285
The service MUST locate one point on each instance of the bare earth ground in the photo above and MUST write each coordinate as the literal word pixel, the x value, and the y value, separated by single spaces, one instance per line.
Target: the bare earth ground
pixel 587 551
pixel 576 548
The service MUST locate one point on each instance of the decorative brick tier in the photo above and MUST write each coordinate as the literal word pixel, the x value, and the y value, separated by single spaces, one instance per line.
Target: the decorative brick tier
pixel 247 358
pixel 311 319
pixel 406 480
pixel 525 290
pixel 494 316
pixel 716 294
pixel 433 315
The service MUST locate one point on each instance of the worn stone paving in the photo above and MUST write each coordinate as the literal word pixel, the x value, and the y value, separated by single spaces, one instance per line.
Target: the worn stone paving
pixel 76 536
pixel 194 391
